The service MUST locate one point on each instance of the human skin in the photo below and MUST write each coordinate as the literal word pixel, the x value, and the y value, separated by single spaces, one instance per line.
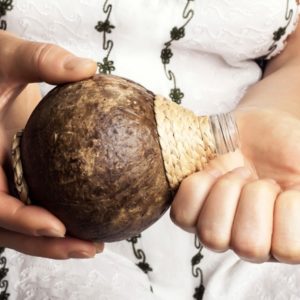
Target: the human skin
pixel 31 229
pixel 249 201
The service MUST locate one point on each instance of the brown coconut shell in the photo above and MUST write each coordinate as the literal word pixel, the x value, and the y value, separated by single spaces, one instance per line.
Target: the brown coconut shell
pixel 91 156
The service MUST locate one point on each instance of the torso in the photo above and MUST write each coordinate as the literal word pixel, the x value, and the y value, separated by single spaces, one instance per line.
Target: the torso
pixel 213 64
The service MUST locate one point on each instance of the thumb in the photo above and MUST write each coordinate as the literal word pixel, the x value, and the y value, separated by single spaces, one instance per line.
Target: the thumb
pixel 24 61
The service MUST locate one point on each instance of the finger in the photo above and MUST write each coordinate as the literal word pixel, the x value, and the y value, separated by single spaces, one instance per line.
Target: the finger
pixel 190 197
pixel 30 220
pixel 3 181
pixel 27 61
pixel 286 232
pixel 228 161
pixel 251 235
pixel 56 248
pixel 218 211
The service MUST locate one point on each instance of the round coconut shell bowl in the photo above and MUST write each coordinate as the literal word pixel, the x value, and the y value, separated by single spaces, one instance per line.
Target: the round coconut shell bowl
pixel 106 156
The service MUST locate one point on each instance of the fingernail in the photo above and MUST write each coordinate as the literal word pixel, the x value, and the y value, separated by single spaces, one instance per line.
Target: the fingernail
pixel 99 247
pixel 51 232
pixel 80 254
pixel 74 62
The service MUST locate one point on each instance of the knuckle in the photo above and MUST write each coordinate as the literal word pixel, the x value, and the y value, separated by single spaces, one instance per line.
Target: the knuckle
pixel 224 183
pixel 188 201
pixel 181 217
pixel 262 185
pixel 288 195
pixel 41 53
pixel 191 180
pixel 286 245
pixel 286 254
pixel 212 240
pixel 252 250
pixel 254 185
pixel 287 204
pixel 232 178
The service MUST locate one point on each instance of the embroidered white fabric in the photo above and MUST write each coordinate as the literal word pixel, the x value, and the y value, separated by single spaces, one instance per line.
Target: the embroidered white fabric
pixel 213 65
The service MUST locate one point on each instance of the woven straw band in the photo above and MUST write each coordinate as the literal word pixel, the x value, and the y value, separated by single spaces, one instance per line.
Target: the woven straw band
pixel 19 180
pixel 186 140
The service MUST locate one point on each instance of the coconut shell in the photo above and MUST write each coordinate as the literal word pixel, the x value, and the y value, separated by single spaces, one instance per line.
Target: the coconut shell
pixel 91 156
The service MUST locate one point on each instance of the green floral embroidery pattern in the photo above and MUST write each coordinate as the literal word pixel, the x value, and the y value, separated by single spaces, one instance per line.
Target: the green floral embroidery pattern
pixel 277 35
pixel 166 54
pixel 3 272
pixel 196 270
pixel 107 65
pixel 280 32
pixel 177 95
pixel 140 255
pixel 5 5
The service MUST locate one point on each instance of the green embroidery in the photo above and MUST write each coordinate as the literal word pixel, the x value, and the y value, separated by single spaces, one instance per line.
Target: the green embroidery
pixel 280 32
pixel 166 54
pixel 5 5
pixel 196 270
pixel 3 272
pixel 177 95
pixel 140 255
pixel 107 65
pixel 277 35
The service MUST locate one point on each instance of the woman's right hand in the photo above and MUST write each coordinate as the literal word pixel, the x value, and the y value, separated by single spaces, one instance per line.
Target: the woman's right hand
pixel 31 229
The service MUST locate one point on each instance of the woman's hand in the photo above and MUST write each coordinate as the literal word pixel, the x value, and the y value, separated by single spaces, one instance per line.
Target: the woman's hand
pixel 249 201
pixel 30 229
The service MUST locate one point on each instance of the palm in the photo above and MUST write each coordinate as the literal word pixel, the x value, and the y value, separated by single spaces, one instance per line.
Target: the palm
pixel 16 113
pixel 271 144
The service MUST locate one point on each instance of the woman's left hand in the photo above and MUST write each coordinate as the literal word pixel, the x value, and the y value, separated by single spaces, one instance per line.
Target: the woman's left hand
pixel 249 201
pixel 31 229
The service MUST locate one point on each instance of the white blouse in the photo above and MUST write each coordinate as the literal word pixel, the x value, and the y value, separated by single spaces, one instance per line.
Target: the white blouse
pixel 210 48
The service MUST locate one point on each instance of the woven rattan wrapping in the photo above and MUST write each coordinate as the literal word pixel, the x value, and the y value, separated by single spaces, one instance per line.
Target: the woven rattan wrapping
pixel 19 180
pixel 186 140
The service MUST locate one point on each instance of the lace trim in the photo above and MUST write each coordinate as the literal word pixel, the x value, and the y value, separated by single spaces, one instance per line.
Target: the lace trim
pixel 166 54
